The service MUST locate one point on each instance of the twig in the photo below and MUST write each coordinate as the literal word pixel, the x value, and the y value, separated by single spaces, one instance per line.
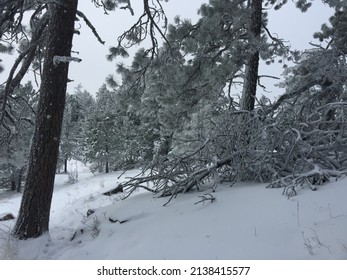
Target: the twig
pixel 206 197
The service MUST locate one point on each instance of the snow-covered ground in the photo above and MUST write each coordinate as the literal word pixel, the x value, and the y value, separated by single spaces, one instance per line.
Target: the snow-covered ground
pixel 246 221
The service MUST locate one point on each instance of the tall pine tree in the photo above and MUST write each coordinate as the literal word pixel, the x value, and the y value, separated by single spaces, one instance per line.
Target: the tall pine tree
pixel 33 219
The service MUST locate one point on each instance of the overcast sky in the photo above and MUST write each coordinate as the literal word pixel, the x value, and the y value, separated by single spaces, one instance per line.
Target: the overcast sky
pixel 289 23
pixel 91 73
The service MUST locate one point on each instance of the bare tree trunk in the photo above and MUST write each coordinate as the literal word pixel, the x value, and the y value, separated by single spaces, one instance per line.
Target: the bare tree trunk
pixel 33 218
pixel 251 72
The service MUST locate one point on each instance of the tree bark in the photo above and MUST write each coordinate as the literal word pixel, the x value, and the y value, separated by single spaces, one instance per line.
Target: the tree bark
pixel 251 71
pixel 33 218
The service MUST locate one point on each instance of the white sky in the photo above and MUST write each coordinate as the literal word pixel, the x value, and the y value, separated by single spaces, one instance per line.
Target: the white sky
pixel 289 23
pixel 91 73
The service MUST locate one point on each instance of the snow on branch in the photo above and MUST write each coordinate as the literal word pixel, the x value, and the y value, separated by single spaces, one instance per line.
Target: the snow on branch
pixel 145 27
pixel 294 148
pixel 206 197
pixel 64 59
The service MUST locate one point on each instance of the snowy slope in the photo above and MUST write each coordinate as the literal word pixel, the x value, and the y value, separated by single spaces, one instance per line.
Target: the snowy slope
pixel 246 221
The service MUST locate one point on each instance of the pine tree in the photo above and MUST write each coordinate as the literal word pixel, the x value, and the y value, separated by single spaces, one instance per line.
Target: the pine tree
pixel 79 107
pixel 102 135
pixel 16 135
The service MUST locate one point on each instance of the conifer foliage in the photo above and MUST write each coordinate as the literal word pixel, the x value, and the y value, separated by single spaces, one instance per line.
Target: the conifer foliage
pixel 211 135
pixel 79 106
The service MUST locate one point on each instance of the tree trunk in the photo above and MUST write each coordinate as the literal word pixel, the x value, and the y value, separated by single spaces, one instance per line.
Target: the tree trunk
pixel 33 218
pixel 107 167
pixel 247 102
pixel 65 165
pixel 107 164
pixel 19 182
pixel 13 185
pixel 251 71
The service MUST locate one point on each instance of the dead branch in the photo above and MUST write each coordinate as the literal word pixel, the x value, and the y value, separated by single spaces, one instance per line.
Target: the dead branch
pixel 289 95
pixel 206 197
pixel 91 26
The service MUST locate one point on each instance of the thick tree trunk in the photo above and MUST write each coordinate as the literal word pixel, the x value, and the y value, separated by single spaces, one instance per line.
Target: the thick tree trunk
pixel 33 218
pixel 251 72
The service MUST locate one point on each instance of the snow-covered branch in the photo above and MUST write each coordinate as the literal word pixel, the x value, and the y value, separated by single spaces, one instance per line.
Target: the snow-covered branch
pixel 65 59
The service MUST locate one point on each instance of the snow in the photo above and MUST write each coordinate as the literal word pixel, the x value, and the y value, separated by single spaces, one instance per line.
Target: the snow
pixel 245 221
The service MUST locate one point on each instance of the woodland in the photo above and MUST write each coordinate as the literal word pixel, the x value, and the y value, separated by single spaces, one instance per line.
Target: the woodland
pixel 186 111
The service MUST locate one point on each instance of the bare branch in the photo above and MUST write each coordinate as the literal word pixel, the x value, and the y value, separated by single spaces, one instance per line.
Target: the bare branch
pixel 277 40
pixel 91 26
pixel 270 77
pixel 28 56
pixel 145 26
pixel 296 92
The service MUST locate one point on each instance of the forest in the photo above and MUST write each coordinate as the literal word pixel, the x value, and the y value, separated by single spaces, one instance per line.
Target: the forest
pixel 186 111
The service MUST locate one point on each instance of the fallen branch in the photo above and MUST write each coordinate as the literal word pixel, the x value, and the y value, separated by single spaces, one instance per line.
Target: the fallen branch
pixel 206 197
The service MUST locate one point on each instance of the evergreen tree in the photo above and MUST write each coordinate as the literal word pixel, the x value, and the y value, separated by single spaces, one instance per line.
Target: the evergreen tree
pixel 299 141
pixel 323 65
pixel 79 107
pixel 55 27
pixel 102 132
